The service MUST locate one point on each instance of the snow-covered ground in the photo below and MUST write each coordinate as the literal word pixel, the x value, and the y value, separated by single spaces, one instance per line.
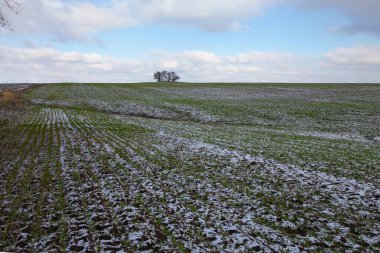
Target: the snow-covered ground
pixel 92 173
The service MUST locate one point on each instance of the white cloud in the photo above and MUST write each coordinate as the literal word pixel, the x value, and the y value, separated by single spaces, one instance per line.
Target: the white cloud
pixel 79 20
pixel 357 64
pixel 361 55
pixel 204 14
pixel 47 64
pixel 68 20
pixel 51 65
pixel 360 64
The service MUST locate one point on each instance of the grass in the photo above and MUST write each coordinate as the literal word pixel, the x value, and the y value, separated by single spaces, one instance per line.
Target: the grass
pixel 11 99
pixel 190 167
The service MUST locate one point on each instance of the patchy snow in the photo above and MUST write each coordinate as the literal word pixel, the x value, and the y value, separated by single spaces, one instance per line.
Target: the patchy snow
pixel 94 185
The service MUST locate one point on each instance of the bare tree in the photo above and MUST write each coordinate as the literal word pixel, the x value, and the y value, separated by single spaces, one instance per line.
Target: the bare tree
pixel 7 4
pixel 157 76
pixel 166 76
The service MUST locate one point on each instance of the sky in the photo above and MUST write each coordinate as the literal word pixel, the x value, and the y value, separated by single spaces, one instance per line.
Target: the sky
pixel 201 40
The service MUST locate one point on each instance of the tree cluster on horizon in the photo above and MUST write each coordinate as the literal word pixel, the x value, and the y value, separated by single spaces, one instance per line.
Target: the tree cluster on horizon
pixel 166 76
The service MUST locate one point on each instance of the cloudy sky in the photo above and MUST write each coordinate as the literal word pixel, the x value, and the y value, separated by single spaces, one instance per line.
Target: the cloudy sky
pixel 201 40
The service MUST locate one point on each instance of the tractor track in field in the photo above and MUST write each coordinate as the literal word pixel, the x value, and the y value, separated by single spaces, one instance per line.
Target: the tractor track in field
pixel 95 173
pixel 93 189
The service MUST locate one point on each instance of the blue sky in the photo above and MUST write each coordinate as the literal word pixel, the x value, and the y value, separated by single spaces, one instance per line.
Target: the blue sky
pixel 209 40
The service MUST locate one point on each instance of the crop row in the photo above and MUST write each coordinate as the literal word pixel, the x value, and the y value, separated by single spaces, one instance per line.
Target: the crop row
pixel 84 180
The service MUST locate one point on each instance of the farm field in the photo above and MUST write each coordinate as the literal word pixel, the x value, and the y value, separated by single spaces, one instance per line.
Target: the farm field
pixel 162 167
